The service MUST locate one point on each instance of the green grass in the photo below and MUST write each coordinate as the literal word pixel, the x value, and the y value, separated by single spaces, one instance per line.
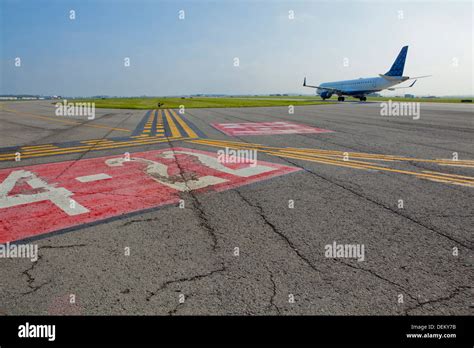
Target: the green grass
pixel 237 102
pixel 334 98
pixel 202 102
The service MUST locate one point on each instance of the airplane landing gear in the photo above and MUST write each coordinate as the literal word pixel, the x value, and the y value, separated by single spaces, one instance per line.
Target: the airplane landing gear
pixel 363 98
pixel 341 99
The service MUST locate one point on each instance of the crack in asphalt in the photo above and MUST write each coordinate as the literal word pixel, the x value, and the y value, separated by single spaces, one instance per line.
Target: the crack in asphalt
pixel 62 246
pixel 375 274
pixel 185 279
pixel 370 200
pixel 27 272
pixel 274 291
pixel 196 204
pixel 204 223
pixel 458 290
pixel 396 212
pixel 126 223
pixel 30 279
pixel 354 192
pixel 82 154
pixel 261 213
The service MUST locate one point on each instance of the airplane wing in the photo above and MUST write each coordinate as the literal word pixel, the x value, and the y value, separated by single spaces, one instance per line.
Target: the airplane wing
pixel 327 88
pixel 405 78
pixel 394 88
pixel 418 77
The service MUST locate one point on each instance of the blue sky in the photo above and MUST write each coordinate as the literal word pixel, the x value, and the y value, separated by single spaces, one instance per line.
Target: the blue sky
pixel 169 56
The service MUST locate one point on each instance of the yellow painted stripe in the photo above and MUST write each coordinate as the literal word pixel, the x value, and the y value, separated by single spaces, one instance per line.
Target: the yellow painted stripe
pixel 249 146
pixel 148 125
pixel 232 143
pixel 97 141
pixel 324 161
pixel 452 175
pixel 183 124
pixel 87 148
pixel 315 151
pixel 160 128
pixel 381 169
pixel 70 151
pixel 173 128
pixel 356 154
pixel 352 164
pixel 385 157
pixel 397 171
pixel 160 117
pixel 23 150
pixel 451 182
pixel 348 164
pixel 331 157
pixel 457 165
pixel 38 146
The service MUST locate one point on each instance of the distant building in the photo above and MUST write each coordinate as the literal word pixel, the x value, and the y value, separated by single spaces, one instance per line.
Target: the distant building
pixel 409 96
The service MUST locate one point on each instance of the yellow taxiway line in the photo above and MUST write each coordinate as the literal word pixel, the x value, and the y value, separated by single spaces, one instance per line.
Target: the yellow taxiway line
pixel 359 155
pixel 187 129
pixel 281 152
pixel 173 128
pixel 95 147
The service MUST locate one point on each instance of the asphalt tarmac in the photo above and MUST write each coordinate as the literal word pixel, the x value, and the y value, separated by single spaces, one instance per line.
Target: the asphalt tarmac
pixel 400 188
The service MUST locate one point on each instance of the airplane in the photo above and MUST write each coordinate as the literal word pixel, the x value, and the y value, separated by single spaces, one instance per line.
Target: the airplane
pixel 361 87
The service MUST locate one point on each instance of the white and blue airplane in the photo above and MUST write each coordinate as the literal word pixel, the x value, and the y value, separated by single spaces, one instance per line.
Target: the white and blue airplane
pixel 361 87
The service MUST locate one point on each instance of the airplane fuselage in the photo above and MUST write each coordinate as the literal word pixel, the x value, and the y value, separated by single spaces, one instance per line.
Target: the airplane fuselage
pixel 359 87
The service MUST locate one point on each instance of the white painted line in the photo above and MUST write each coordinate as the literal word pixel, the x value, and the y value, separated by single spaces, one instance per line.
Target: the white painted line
pixel 95 177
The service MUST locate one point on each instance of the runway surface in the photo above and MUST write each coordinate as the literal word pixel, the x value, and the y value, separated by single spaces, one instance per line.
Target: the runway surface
pixel 133 213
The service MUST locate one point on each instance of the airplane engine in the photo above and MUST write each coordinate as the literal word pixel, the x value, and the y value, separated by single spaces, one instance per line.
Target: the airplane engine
pixel 325 94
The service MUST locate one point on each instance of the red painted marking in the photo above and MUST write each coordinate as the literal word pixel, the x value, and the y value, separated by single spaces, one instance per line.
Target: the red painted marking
pixel 266 128
pixel 131 188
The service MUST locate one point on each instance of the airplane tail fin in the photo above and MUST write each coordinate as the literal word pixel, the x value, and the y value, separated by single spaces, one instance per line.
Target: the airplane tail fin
pixel 399 64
